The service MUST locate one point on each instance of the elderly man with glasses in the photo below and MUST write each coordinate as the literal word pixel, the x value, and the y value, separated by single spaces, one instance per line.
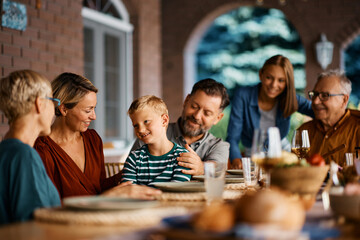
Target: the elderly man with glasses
pixel 334 124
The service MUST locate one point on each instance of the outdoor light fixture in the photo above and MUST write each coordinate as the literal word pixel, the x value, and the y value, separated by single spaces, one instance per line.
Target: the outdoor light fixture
pixel 324 52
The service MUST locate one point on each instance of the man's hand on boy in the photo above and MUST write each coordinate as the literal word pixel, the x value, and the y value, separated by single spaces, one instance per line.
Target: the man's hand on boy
pixel 192 161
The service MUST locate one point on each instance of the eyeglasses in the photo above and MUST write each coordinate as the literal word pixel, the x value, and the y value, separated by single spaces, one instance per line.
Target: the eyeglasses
pixel 56 101
pixel 323 96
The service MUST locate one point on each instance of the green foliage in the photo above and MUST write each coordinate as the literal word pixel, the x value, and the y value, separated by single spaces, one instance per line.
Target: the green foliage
pixel 219 130
pixel 352 66
pixel 238 43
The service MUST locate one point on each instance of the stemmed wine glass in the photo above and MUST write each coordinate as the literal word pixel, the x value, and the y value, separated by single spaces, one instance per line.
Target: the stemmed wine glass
pixel 266 150
pixel 300 143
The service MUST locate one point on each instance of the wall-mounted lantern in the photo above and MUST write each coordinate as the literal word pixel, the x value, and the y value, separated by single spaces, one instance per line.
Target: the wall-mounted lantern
pixel 324 52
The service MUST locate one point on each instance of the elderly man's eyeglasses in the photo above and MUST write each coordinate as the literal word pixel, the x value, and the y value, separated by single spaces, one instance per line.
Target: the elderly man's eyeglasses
pixel 323 96
pixel 56 101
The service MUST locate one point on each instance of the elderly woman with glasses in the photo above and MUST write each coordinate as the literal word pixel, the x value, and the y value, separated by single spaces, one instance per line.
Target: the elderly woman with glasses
pixel 334 124
pixel 26 100
pixel 73 153
pixel 268 104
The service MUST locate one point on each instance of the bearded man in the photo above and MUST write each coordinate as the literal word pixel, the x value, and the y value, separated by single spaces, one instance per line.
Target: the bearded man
pixel 202 109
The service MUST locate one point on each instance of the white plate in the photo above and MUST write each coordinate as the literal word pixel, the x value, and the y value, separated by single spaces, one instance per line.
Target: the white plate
pixel 228 178
pixel 107 203
pixel 180 186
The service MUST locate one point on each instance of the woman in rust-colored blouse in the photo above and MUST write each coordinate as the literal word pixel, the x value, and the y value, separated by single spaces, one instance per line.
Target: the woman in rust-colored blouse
pixel 72 153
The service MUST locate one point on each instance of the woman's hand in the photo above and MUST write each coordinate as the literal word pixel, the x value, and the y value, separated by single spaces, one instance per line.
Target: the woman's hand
pixel 130 190
pixel 236 164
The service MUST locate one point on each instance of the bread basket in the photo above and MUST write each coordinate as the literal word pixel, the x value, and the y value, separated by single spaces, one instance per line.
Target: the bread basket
pixel 298 179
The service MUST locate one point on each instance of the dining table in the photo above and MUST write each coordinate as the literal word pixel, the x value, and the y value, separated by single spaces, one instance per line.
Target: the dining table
pixel 148 223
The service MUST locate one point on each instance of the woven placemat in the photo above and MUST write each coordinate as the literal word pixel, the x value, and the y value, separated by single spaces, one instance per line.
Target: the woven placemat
pixel 201 196
pixel 170 196
pixel 143 217
pixel 235 186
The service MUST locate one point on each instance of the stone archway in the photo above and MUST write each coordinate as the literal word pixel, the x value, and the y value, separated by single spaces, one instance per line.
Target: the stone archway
pixel 193 41
pixel 348 33
pixel 348 40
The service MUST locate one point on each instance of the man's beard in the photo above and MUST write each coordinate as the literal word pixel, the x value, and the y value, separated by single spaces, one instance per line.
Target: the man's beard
pixel 189 131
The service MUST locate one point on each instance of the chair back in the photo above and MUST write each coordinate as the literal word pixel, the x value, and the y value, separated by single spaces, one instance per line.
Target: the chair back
pixel 112 168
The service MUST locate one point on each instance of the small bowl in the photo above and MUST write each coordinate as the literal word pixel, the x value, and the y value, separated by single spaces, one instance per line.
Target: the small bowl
pixel 299 180
pixel 346 205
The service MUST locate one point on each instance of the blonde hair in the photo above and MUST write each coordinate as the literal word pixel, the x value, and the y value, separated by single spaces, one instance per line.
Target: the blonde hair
pixel 157 104
pixel 18 92
pixel 70 88
pixel 287 99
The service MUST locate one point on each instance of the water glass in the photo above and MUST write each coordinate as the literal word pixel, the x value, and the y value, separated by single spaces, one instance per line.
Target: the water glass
pixel 349 157
pixel 214 180
pixel 266 149
pixel 246 164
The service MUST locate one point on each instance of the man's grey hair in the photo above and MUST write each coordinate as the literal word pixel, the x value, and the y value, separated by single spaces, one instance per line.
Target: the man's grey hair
pixel 340 74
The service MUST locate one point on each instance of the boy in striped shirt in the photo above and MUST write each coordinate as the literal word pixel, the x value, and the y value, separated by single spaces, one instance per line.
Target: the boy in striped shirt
pixel 156 160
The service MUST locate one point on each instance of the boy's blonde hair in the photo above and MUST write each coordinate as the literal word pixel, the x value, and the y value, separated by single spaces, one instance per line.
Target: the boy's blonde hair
pixel 156 103
pixel 18 92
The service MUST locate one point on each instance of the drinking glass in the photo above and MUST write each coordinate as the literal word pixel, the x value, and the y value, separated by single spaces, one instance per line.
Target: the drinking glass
pixel 266 149
pixel 214 180
pixel 349 157
pixel 300 144
pixel 246 164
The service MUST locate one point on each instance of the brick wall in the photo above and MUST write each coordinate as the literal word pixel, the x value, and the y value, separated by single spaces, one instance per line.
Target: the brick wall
pixel 51 44
pixel 146 19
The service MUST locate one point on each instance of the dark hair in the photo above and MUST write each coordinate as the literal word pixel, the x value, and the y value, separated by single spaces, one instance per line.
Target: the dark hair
pixel 70 88
pixel 212 88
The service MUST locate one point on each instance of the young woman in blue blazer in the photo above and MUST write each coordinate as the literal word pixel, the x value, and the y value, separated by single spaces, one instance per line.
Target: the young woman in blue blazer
pixel 269 103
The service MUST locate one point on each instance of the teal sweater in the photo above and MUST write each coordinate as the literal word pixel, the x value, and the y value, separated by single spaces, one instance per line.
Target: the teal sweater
pixel 24 184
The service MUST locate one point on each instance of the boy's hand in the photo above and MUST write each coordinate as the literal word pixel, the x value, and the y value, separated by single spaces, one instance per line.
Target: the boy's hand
pixel 192 161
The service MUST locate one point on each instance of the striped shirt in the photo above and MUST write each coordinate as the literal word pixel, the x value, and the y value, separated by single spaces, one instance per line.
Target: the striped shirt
pixel 143 168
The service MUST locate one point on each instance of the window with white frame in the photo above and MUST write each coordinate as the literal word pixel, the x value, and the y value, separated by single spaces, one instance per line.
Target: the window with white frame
pixel 108 58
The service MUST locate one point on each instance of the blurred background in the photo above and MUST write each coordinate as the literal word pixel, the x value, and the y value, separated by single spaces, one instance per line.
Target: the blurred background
pixel 130 48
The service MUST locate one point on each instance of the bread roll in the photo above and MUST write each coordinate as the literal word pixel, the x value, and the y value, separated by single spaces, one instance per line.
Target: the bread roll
pixel 216 217
pixel 270 207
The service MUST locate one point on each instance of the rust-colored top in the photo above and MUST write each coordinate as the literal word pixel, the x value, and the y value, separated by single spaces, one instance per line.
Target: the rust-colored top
pixel 345 131
pixel 67 176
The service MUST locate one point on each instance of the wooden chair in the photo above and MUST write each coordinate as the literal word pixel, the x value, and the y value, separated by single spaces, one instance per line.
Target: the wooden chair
pixel 112 168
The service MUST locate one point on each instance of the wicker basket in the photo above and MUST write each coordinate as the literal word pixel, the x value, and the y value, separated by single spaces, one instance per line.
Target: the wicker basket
pixel 299 180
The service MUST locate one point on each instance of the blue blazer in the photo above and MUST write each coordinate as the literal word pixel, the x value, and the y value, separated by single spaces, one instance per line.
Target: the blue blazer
pixel 245 118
